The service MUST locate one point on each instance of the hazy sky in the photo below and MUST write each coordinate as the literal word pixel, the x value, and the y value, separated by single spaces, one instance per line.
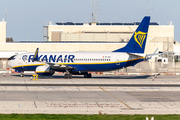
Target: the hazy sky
pixel 28 16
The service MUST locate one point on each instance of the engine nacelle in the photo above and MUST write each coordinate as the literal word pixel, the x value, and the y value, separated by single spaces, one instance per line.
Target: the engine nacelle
pixel 45 70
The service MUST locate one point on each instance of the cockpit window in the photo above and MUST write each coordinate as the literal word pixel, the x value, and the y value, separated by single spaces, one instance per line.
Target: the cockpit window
pixel 12 57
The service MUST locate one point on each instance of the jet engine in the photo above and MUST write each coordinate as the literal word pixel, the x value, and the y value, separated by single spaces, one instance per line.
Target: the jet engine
pixel 45 70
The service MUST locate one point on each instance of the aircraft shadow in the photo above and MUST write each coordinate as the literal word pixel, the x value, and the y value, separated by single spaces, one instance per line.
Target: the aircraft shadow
pixel 93 76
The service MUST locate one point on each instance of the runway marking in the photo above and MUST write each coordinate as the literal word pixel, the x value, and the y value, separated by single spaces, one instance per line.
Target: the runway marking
pixel 92 87
pixel 115 97
pixel 35 104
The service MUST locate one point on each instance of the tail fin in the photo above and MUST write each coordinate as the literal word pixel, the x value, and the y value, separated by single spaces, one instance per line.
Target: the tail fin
pixel 137 42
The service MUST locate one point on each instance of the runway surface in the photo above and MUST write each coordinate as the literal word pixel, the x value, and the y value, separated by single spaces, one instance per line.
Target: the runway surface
pixel 110 85
pixel 91 96
pixel 105 94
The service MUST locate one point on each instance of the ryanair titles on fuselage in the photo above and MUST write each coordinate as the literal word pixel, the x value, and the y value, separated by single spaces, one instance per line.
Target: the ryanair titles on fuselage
pixel 51 58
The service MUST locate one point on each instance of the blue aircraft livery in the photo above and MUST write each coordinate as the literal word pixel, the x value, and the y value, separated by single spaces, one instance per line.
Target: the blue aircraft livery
pixel 81 63
pixel 52 58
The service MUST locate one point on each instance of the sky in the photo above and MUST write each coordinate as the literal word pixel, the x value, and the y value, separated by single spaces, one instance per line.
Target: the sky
pixel 25 18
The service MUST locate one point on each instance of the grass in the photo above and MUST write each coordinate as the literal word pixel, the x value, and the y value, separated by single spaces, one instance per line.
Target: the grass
pixel 84 117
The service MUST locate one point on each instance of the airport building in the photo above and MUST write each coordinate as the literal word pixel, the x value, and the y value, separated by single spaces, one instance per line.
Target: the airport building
pixel 73 37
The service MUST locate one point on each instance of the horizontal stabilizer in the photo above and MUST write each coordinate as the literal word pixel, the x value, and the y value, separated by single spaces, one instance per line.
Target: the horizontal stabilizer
pixel 136 54
pixel 159 53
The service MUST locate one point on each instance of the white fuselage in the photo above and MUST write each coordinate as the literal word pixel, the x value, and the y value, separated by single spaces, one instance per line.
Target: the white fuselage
pixel 84 60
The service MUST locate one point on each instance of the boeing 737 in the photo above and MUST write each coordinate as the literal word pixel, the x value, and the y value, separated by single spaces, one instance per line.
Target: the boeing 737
pixel 81 63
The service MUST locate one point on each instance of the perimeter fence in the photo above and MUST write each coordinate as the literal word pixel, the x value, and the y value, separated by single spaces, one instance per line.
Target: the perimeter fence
pixel 153 67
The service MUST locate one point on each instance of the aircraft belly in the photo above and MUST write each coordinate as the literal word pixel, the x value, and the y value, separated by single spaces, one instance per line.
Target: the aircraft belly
pixel 97 67
pixel 89 67
pixel 132 63
pixel 26 68
pixel 104 67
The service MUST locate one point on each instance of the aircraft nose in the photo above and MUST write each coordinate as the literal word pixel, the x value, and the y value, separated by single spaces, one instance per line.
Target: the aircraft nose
pixel 9 63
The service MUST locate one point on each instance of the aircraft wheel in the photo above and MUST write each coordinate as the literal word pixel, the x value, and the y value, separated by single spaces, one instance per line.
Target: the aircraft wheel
pixel 22 75
pixel 51 71
pixel 89 75
pixel 85 75
pixel 68 76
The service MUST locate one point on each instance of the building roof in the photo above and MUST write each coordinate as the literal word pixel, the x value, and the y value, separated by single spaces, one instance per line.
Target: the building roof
pixel 67 42
pixel 134 23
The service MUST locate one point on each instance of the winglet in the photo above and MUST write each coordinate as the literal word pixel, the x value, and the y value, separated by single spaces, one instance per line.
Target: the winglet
pixel 35 58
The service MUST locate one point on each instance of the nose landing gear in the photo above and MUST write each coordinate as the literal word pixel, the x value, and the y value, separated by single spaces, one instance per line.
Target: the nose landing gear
pixel 22 74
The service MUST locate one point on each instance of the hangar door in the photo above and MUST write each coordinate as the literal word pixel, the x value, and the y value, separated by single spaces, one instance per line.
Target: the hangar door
pixel 56 35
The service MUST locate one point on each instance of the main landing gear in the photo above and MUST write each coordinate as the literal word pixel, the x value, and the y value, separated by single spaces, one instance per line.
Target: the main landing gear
pixel 68 75
pixel 87 75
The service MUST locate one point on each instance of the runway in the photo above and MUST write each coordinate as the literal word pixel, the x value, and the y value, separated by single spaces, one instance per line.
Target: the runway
pixel 105 94
pixel 106 85
pixel 91 96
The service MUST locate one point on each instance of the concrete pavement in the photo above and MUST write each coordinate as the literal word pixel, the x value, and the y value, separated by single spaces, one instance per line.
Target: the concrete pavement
pixel 90 99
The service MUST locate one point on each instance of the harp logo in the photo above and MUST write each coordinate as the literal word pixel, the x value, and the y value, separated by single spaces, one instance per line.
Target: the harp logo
pixel 139 37
pixel 24 57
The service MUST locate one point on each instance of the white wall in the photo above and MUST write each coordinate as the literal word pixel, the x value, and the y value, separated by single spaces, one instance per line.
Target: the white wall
pixel 156 33
pixel 2 32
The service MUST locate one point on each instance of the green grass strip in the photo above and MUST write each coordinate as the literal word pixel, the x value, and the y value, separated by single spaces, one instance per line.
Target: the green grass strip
pixel 84 117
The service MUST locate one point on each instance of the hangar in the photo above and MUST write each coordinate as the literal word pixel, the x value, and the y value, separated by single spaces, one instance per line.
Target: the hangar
pixel 71 36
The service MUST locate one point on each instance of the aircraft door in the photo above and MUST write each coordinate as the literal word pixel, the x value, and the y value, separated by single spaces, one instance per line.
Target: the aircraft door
pixel 19 61
pixel 23 59
pixel 117 60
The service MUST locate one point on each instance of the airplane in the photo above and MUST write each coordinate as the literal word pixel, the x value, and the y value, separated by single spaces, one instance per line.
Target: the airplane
pixel 81 63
